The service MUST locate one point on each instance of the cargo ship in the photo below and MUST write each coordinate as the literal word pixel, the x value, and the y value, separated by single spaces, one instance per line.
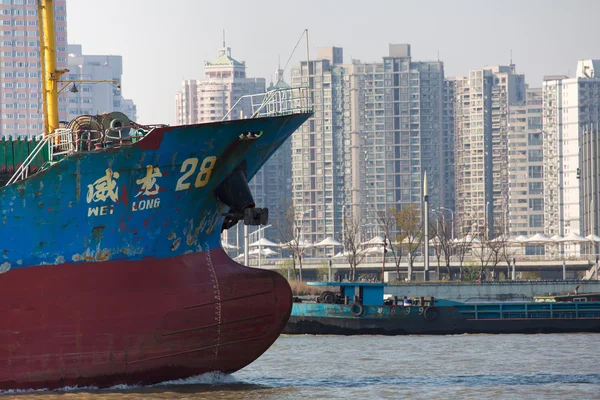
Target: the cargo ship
pixel 112 270
pixel 358 308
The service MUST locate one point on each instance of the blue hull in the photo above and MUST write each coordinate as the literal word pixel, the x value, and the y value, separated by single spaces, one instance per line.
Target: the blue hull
pixel 153 199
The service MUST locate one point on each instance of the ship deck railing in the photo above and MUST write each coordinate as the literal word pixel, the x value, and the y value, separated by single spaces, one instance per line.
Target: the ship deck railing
pixel 64 142
pixel 277 102
pixel 559 310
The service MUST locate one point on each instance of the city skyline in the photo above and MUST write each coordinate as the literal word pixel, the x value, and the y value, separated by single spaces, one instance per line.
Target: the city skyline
pixel 155 65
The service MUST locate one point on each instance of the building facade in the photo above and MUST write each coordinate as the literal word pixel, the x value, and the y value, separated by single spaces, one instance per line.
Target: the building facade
pixel 378 127
pixel 224 83
pixel 319 149
pixel 525 166
pixel 95 98
pixel 571 110
pixel 482 105
pixel 20 76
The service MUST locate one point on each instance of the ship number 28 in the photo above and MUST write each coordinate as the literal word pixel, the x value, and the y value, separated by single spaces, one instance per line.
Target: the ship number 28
pixel 189 168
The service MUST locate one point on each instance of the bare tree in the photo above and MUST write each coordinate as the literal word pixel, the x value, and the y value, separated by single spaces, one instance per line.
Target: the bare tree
pixel 482 250
pixel 410 233
pixel 355 252
pixel 290 235
pixel 445 238
pixel 497 245
pixel 388 224
pixel 462 246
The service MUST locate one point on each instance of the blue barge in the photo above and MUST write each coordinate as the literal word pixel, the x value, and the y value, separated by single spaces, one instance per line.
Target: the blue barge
pixel 359 308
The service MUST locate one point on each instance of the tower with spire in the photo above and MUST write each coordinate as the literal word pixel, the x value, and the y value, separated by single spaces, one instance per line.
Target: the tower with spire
pixel 224 83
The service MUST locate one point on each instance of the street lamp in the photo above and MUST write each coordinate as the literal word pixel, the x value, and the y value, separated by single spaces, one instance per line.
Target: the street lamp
pixel 247 245
pixel 452 213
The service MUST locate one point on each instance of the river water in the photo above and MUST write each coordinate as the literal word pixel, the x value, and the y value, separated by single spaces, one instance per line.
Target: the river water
pixel 561 366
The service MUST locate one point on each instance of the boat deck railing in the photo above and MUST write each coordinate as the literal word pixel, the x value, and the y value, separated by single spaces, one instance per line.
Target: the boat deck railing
pixel 273 103
pixel 63 142
pixel 559 310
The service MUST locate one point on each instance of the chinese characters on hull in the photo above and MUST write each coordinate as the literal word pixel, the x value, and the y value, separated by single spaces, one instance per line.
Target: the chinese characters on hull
pixel 105 190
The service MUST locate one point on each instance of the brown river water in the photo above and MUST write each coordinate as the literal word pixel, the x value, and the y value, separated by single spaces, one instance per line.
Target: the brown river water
pixel 556 366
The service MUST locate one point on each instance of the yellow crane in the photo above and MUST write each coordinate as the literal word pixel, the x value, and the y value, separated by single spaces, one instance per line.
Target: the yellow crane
pixel 50 75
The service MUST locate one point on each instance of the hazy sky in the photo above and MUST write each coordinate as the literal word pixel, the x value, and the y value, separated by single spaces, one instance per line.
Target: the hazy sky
pixel 165 41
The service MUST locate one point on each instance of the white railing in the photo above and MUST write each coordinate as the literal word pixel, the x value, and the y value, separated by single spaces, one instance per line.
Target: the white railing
pixel 63 142
pixel 275 102
pixel 23 171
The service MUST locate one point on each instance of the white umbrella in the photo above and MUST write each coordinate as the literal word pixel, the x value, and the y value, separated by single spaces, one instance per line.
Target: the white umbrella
pixel 328 242
pixel 228 246
pixel 500 239
pixel 301 244
pixel 435 241
pixel 268 252
pixel 539 238
pixel 520 239
pixel 593 238
pixel 341 255
pixel 264 243
pixel 376 241
pixel 262 252
pixel 467 239
pixel 374 250
pixel 573 238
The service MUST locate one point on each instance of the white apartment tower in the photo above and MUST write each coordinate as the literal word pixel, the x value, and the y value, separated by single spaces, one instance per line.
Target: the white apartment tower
pixel 319 148
pixel 525 166
pixel 224 83
pixel 571 115
pixel 398 125
pixel 482 105
pixel 20 76
pixel 95 98
pixel 377 128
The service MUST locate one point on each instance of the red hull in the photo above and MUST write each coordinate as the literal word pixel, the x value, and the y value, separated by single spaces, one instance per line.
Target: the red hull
pixel 136 322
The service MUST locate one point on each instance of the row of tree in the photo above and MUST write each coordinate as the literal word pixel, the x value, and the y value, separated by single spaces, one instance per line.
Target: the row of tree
pixel 403 239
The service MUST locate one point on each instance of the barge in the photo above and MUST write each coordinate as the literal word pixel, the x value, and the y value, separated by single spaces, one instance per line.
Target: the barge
pixel 358 308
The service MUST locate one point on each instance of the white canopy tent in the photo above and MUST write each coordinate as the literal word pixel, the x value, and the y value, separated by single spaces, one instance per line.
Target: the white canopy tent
pixel 263 242
pixel 328 241
pixel 228 246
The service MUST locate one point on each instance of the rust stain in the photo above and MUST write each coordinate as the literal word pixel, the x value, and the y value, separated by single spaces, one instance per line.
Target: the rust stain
pixel 176 244
pixel 124 196
pixel 41 204
pixel 190 238
pixel 171 236
pixel 78 181
pixel 103 255
pixel 98 232
pixel 21 190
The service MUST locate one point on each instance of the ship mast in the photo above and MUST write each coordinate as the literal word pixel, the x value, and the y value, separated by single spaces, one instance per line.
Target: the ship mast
pixel 50 75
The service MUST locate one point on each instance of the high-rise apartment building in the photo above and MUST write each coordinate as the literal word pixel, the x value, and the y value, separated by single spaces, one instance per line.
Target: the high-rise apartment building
pixel 400 129
pixel 448 194
pixel 525 166
pixel 482 104
pixel 571 114
pixel 20 76
pixel 377 128
pixel 224 83
pixel 95 97
pixel 319 148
